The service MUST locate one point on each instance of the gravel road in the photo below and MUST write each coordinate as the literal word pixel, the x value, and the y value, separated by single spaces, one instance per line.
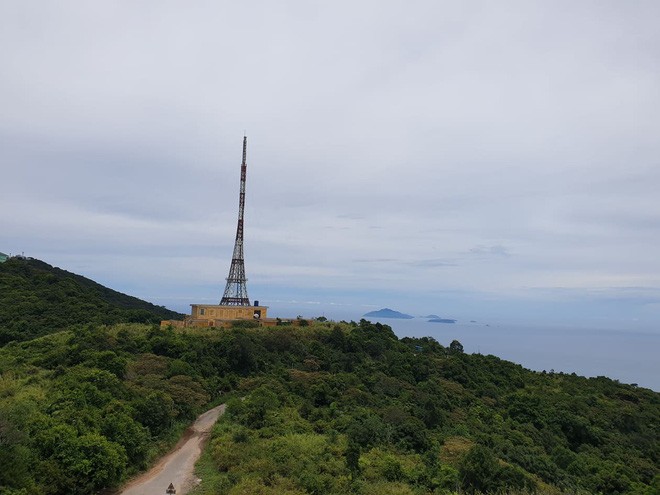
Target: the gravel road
pixel 178 466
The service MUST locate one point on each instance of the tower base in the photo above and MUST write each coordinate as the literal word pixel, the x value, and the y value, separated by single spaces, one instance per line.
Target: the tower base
pixel 225 312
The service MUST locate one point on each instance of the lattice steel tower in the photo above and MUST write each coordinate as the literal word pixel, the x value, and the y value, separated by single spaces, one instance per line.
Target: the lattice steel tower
pixel 236 290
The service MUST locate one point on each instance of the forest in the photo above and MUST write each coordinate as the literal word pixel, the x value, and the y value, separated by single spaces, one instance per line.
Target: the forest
pixel 328 408
pixel 92 391
pixel 37 298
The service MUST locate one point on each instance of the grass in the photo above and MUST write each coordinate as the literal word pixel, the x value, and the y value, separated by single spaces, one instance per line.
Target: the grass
pixel 206 471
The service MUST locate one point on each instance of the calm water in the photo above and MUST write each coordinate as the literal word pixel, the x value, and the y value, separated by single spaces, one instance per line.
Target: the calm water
pixel 627 356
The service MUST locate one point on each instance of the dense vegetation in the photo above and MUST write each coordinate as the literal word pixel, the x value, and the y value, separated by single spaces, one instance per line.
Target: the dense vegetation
pixel 81 410
pixel 341 409
pixel 321 409
pixel 328 408
pixel 37 299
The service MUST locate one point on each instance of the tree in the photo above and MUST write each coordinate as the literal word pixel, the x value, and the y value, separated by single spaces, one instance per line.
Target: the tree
pixel 156 412
pixel 353 458
pixel 90 462
pixel 14 457
pixel 252 411
pixel 131 435
pixel 479 469
pixel 456 347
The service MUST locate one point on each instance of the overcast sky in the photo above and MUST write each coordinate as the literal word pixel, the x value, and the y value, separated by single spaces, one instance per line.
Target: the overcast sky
pixel 491 160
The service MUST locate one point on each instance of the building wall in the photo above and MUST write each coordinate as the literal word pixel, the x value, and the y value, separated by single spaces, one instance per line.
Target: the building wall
pixel 217 312
pixel 214 315
pixel 201 323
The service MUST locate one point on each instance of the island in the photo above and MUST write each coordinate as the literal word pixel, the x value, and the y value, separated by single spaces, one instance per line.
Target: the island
pixel 388 313
pixel 442 320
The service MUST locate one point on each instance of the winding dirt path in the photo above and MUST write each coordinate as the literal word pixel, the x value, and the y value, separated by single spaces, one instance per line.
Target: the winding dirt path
pixel 178 466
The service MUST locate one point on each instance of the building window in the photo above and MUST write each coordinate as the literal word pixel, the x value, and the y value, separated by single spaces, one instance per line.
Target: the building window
pixel 201 312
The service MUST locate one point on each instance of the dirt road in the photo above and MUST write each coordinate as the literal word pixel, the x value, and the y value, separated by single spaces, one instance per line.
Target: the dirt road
pixel 177 467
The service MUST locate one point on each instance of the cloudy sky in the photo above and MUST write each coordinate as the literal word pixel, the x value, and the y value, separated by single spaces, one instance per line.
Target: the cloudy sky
pixel 478 160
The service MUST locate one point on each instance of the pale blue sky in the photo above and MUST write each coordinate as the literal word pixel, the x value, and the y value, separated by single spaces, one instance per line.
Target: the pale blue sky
pixel 491 160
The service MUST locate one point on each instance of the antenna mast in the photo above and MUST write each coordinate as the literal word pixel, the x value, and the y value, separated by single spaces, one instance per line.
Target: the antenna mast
pixel 236 290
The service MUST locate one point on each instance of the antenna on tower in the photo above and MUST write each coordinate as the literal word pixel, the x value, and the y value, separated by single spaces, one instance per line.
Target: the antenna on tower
pixel 236 289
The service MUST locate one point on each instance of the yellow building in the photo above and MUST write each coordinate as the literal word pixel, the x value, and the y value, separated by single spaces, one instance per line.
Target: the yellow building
pixel 221 316
pixel 216 315
pixel 212 312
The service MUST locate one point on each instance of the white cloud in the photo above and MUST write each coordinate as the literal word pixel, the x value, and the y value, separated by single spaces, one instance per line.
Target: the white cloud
pixel 483 147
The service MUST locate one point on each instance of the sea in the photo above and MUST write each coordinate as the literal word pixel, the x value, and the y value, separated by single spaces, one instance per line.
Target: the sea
pixel 628 356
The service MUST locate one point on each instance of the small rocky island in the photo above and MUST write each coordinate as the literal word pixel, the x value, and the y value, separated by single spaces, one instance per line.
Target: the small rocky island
pixel 442 320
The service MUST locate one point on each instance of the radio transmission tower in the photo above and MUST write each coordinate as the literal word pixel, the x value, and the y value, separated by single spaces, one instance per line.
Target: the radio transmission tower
pixel 236 290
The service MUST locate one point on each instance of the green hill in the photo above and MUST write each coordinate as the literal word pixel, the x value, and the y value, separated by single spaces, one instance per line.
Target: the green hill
pixel 331 408
pixel 37 299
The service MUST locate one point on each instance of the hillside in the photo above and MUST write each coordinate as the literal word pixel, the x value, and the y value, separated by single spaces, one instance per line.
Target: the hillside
pixel 37 299
pixel 331 408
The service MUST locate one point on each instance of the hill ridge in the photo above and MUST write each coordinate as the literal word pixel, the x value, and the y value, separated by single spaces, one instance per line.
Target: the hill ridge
pixel 37 299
